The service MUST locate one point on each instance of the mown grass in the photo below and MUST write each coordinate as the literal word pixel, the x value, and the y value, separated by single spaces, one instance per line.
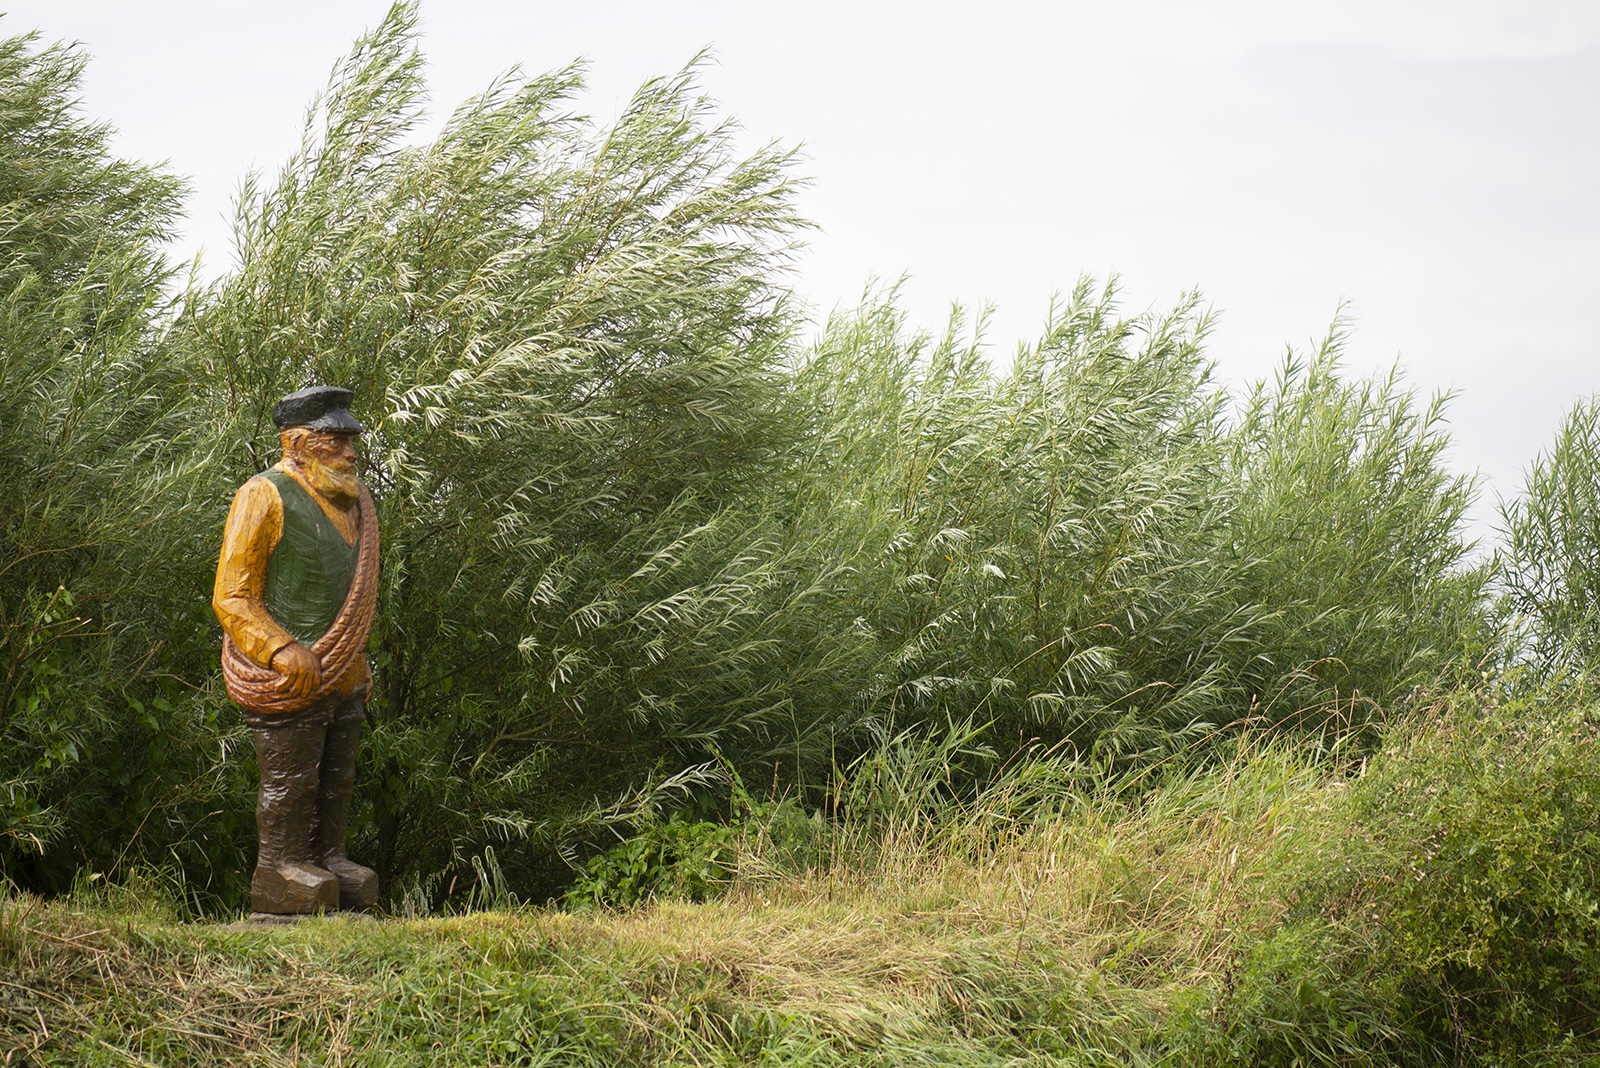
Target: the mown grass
pixel 986 939
pixel 1272 910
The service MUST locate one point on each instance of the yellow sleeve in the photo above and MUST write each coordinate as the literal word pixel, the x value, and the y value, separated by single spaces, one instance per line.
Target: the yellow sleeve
pixel 255 523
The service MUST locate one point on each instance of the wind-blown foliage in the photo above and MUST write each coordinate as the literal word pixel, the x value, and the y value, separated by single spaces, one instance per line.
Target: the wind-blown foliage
pixel 1030 548
pixel 565 340
pixel 97 457
pixel 1085 549
pixel 1348 526
pixel 637 536
pixel 1549 561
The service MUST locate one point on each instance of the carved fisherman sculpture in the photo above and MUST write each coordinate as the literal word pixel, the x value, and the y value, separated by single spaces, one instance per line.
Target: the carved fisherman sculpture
pixel 297 584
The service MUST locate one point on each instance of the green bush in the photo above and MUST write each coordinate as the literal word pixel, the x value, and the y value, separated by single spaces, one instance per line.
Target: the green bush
pixel 688 859
pixel 1086 550
pixel 629 521
pixel 109 732
pixel 677 858
pixel 1029 548
pixel 1548 564
pixel 1448 913
pixel 1347 530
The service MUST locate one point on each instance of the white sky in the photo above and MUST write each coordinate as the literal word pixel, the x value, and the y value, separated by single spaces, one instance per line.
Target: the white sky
pixel 1436 164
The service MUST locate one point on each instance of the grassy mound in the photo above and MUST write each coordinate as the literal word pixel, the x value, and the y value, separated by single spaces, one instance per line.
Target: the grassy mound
pixel 1430 903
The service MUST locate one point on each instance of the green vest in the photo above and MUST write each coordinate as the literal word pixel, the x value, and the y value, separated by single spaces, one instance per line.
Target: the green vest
pixel 309 572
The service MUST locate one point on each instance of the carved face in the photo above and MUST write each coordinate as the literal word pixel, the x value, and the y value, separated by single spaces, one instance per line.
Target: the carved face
pixel 327 460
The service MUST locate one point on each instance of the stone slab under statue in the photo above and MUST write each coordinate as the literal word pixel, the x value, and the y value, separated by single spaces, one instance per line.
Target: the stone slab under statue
pixel 296 590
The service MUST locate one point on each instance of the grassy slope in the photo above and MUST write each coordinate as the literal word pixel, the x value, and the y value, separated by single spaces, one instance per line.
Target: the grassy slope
pixel 975 943
pixel 1434 904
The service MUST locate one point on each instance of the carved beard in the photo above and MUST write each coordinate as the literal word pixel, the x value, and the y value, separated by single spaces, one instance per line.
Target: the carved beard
pixel 336 481
pixel 333 479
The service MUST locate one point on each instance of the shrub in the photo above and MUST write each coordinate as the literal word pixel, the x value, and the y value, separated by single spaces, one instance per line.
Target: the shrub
pixel 1548 565
pixel 1448 911
pixel 565 340
pixel 1347 532
pixel 1084 550
pixel 108 735
pixel 628 523
pixel 677 858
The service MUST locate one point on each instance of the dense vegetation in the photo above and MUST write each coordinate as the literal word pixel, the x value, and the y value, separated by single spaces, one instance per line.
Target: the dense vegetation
pixel 676 600
pixel 1276 909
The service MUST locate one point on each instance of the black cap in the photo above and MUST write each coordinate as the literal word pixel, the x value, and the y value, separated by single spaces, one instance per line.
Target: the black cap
pixel 319 408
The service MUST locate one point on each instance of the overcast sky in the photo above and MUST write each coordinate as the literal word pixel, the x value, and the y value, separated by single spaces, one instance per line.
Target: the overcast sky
pixel 1435 164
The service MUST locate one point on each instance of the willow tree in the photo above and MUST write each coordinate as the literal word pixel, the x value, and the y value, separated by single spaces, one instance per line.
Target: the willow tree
pixel 1349 526
pixel 1032 550
pixel 565 340
pixel 1548 566
pixel 1086 550
pixel 98 492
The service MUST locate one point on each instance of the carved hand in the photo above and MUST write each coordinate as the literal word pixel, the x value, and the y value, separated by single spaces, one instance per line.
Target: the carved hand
pixel 302 672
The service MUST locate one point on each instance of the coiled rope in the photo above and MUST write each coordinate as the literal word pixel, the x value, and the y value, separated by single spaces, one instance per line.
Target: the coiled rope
pixel 260 689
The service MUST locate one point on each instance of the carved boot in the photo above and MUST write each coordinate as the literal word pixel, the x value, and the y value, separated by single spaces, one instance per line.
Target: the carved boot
pixel 287 880
pixel 358 884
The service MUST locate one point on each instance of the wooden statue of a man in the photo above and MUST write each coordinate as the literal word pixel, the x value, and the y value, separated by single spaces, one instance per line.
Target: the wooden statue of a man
pixel 296 588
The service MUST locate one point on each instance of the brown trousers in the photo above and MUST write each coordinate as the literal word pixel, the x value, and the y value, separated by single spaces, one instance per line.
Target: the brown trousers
pixel 308 771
